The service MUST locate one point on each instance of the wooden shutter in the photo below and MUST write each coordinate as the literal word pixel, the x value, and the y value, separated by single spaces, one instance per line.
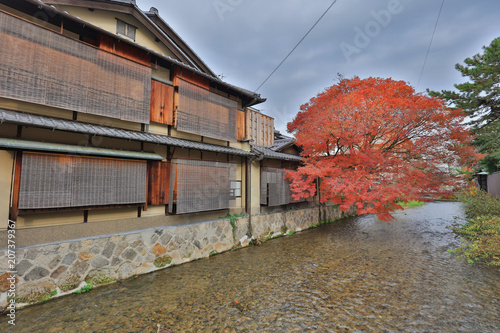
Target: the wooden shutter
pixel 162 103
pixel 159 183
pixel 240 126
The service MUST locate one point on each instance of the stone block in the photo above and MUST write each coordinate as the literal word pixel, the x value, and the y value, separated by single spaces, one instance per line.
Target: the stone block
pixel 108 249
pixel 54 262
pixel 56 273
pixel 85 256
pixel 6 281
pixel 129 254
pixel 79 268
pixel 101 276
pixel 126 270
pixel 31 253
pixel 35 291
pixel 99 262
pixel 23 266
pixel 69 259
pixel 122 245
pixel 136 243
pixel 69 281
pixel 158 250
pixel 36 273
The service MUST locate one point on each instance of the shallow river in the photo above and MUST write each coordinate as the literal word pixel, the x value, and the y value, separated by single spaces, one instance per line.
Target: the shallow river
pixel 355 275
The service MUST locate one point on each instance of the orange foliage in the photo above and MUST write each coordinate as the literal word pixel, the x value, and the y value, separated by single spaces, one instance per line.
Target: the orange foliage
pixel 374 142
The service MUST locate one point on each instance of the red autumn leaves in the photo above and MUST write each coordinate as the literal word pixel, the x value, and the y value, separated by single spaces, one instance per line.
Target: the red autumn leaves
pixel 373 142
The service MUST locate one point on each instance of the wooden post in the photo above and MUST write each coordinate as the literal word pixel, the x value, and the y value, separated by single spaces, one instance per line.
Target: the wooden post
pixel 14 211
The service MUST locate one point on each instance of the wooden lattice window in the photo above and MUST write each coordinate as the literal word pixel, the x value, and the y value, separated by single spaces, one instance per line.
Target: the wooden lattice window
pixel 125 29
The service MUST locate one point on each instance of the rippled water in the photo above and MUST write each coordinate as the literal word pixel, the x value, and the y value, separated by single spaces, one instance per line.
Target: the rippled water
pixel 356 275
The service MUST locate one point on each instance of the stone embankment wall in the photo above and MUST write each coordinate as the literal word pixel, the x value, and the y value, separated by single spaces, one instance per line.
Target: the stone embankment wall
pixel 67 266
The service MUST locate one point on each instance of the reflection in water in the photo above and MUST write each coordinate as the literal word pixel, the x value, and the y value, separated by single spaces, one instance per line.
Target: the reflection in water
pixel 358 274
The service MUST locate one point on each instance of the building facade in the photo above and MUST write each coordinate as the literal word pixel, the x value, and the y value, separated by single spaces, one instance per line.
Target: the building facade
pixel 113 131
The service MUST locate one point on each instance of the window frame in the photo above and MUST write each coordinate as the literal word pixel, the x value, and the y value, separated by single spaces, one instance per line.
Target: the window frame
pixel 234 189
pixel 127 29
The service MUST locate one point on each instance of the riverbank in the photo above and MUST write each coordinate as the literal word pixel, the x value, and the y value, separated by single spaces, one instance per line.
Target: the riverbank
pixel 53 270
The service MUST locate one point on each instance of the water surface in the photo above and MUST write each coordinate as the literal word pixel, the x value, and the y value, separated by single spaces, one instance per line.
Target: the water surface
pixel 355 275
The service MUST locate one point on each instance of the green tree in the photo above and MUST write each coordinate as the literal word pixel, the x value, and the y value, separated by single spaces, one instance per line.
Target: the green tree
pixel 479 97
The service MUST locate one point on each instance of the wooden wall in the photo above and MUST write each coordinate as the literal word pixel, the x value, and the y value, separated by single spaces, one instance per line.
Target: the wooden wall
pixel 125 50
pixel 260 128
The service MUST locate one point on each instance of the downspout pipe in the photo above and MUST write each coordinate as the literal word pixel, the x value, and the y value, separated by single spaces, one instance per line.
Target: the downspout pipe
pixel 248 188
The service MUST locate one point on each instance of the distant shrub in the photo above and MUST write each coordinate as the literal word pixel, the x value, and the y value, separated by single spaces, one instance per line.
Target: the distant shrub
pixel 482 230
pixel 479 203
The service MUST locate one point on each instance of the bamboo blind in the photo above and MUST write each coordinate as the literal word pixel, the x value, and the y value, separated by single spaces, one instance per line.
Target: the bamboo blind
pixel 44 67
pixel 201 185
pixel 55 181
pixel 205 113
pixel 275 188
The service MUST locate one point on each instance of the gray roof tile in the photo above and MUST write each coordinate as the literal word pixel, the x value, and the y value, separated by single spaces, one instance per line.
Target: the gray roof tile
pixel 26 119
pixel 268 153
pixel 281 143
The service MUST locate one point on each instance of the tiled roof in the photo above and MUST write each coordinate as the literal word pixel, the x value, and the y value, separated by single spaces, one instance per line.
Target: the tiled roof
pixel 20 118
pixel 281 143
pixel 268 153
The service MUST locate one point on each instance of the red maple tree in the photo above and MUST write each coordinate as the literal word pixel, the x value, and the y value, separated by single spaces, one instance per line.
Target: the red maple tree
pixel 374 142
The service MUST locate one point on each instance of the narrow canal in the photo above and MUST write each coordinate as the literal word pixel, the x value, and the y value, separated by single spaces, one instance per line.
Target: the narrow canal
pixel 355 275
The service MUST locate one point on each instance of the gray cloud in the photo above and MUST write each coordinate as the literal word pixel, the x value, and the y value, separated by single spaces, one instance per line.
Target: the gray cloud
pixel 247 39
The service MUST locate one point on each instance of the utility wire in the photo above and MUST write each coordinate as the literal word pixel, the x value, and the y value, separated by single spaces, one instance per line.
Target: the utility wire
pixel 430 44
pixel 300 41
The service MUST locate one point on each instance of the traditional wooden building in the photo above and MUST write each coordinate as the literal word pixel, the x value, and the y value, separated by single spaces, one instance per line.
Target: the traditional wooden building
pixel 120 149
pixel 108 115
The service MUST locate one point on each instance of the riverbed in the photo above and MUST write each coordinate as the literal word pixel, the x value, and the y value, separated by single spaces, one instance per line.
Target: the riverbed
pixel 354 275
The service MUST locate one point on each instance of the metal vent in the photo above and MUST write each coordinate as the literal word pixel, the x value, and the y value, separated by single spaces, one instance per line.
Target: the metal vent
pixel 43 67
pixel 205 113
pixel 54 181
pixel 202 185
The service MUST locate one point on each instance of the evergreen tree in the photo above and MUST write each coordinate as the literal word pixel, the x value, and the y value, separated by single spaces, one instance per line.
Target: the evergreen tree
pixel 480 99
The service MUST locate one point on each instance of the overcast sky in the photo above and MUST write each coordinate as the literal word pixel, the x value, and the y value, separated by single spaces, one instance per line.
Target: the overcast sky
pixel 245 40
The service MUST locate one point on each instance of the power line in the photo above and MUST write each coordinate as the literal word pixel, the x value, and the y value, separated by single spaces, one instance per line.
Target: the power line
pixel 430 44
pixel 300 41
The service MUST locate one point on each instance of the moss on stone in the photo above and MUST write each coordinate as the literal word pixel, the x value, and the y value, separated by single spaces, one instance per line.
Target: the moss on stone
pixel 162 261
pixel 99 277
